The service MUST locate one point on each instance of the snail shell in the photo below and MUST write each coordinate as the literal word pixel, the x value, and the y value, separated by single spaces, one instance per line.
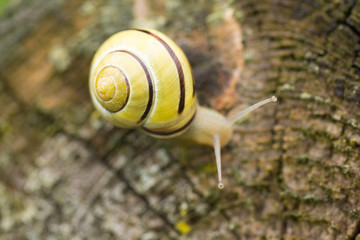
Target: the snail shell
pixel 140 78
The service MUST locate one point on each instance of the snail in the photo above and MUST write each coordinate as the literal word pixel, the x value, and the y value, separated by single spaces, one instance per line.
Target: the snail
pixel 140 78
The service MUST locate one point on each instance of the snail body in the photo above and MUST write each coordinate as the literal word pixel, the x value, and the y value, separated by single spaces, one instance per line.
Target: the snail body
pixel 140 78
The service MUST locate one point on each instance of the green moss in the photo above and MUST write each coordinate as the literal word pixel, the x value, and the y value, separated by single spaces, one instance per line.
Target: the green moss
pixel 354 213
pixel 303 160
pixel 186 15
pixel 319 99
pixel 209 168
pixel 3 5
pixel 286 88
pixel 5 128
pixel 353 122
pixel 334 227
pixel 305 96
pixel 60 57
pixel 306 218
pixel 249 205
pixel 311 198
pixel 215 17
pixel 237 176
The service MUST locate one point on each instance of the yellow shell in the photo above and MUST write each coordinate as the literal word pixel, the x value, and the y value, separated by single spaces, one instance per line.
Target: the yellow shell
pixel 140 78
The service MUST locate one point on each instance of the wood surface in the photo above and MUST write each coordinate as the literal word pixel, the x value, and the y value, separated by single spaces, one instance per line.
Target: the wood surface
pixel 291 170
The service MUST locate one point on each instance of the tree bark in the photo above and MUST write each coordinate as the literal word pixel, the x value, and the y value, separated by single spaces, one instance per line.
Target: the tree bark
pixel 291 170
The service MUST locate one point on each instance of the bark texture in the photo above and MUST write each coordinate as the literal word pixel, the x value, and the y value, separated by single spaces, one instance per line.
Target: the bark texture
pixel 291 170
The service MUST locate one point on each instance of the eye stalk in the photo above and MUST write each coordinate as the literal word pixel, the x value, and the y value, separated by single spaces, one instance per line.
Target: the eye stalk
pixel 233 120
pixel 213 129
pixel 242 113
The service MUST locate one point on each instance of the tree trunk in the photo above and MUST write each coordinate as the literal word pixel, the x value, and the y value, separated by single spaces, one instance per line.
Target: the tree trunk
pixel 291 170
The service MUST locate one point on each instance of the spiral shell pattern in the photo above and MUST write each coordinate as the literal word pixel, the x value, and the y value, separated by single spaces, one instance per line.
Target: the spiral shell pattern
pixel 140 78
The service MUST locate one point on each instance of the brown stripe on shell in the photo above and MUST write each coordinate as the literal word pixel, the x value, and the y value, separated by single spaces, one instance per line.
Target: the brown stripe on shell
pixel 178 66
pixel 148 77
pixel 163 133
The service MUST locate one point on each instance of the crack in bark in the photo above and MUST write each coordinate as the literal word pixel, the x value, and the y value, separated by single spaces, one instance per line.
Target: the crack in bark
pixel 121 176
pixel 347 15
pixel 352 28
pixel 356 232
pixel 279 170
pixel 338 24
pixel 210 202
pixel 345 20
